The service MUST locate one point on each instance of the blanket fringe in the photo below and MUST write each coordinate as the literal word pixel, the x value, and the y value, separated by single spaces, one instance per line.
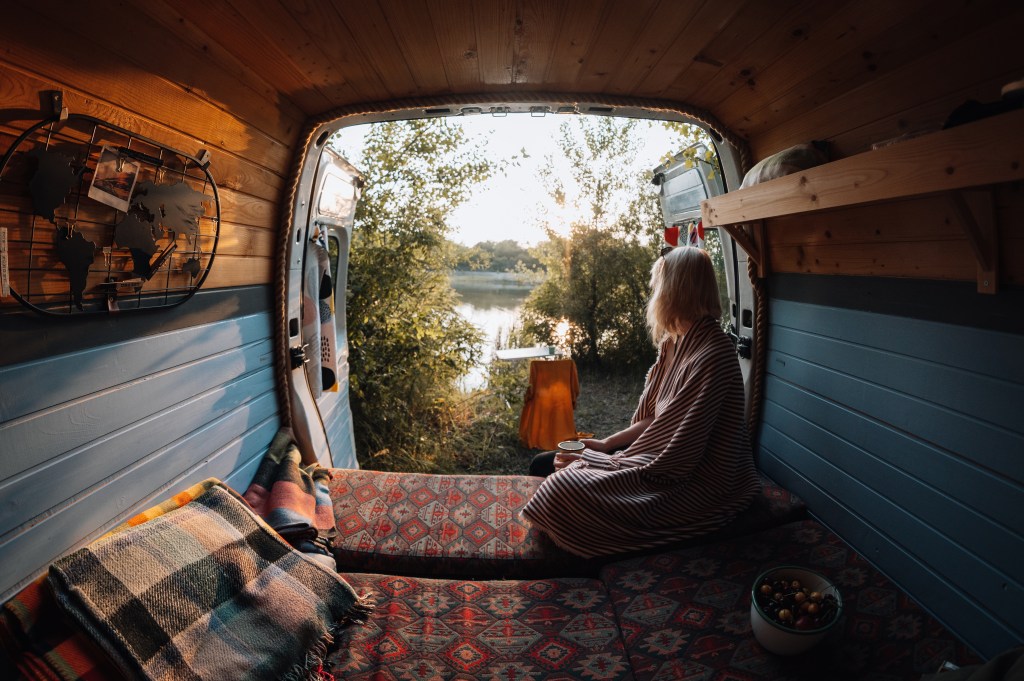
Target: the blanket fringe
pixel 311 668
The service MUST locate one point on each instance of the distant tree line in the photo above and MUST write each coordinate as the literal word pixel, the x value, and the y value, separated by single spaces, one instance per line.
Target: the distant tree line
pixel 493 256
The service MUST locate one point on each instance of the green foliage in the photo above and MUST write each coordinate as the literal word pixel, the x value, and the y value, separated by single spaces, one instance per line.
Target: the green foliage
pixel 597 276
pixel 408 345
pixel 500 256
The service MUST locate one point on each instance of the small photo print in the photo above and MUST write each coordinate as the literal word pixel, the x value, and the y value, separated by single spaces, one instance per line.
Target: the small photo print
pixel 114 179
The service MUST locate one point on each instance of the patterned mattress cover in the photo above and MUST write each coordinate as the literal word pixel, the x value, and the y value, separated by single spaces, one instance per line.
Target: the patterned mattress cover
pixel 469 525
pixel 682 614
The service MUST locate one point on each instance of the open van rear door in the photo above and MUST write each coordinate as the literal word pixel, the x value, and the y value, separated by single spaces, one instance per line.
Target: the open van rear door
pixel 321 415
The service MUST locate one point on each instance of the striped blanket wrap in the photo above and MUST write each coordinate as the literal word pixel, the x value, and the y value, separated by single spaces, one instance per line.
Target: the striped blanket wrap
pixel 207 591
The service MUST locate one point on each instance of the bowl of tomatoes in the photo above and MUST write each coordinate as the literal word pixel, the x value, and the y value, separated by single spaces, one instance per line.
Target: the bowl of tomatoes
pixel 793 608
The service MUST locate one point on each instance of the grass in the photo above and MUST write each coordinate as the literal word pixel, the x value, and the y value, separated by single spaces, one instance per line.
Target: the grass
pixel 481 435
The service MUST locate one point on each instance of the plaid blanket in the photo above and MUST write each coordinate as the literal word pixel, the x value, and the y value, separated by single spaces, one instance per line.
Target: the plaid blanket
pixel 206 591
pixel 40 644
pixel 294 499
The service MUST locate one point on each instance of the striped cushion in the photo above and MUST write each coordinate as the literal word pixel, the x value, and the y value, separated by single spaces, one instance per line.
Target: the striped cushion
pixel 686 614
pixel 498 630
pixel 469 525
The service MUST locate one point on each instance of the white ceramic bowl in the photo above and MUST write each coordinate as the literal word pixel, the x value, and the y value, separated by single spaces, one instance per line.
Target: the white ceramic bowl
pixel 778 638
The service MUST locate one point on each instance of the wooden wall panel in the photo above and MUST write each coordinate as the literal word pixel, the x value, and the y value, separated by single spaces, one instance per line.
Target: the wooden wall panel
pixel 964 65
pixel 132 38
pixel 535 35
pixel 621 25
pixel 134 358
pixel 137 91
pixel 653 45
pixel 831 57
pixel 120 423
pixel 904 436
pixel 919 238
pixel 411 25
pixel 575 36
pixel 131 432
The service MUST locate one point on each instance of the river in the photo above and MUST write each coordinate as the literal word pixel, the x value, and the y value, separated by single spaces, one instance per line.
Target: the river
pixel 491 301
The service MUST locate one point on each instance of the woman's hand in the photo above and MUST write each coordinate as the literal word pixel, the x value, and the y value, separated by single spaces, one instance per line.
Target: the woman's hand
pixel 563 459
pixel 596 445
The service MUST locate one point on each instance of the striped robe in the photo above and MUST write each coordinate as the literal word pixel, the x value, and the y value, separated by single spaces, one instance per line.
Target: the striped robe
pixel 689 473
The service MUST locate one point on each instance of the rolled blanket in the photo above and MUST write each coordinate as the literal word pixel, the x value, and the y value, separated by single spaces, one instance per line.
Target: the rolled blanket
pixel 206 591
pixel 294 499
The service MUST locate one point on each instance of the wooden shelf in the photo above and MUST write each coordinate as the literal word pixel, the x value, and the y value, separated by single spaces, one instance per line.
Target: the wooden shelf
pixel 957 161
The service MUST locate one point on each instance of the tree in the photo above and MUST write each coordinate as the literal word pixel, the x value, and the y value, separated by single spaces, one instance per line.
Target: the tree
pixel 597 276
pixel 408 345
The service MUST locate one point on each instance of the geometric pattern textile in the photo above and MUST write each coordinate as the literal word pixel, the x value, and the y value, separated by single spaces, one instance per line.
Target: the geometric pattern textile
pixel 685 614
pixel 469 525
pixel 421 629
pixel 439 525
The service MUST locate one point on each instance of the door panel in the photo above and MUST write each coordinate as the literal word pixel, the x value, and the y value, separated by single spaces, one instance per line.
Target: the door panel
pixel 321 414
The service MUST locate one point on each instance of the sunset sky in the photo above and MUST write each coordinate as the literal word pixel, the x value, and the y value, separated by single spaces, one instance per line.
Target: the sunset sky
pixel 509 205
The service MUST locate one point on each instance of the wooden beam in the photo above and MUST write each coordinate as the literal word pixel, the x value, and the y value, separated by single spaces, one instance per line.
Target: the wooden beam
pixel 977 217
pixel 753 244
pixel 981 153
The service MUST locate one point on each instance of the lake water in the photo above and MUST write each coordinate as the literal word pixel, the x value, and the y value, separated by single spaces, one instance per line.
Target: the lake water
pixel 491 301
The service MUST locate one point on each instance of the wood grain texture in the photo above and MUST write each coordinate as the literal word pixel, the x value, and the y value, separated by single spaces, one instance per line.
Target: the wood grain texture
pixel 738 43
pixel 21 92
pixel 828 57
pixel 686 53
pixel 981 153
pixel 962 62
pixel 368 28
pixel 106 26
pixel 496 39
pixel 136 90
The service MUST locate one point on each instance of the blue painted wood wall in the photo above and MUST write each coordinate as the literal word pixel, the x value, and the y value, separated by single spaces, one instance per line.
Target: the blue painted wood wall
pixel 90 437
pixel 904 432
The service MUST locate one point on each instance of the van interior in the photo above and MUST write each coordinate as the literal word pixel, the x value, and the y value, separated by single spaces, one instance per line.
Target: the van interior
pixel 166 170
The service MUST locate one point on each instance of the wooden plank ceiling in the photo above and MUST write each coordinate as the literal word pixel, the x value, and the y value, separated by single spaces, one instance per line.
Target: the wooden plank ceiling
pixel 758 66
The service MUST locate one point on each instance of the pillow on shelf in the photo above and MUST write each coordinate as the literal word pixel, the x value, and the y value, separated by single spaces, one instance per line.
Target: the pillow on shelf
pixel 796 158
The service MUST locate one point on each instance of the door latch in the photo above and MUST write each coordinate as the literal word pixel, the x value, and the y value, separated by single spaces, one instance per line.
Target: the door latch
pixel 298 355
pixel 744 344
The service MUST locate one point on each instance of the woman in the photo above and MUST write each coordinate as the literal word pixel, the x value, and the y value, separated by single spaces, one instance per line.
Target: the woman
pixel 684 467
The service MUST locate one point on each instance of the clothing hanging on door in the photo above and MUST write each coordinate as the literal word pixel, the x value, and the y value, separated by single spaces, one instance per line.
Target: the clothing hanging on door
pixel 319 334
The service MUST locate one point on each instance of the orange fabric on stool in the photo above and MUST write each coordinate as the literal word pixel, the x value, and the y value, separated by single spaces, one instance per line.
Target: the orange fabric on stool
pixel 547 416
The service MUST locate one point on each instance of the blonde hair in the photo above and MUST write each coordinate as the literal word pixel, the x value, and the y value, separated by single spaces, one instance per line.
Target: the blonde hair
pixel 684 289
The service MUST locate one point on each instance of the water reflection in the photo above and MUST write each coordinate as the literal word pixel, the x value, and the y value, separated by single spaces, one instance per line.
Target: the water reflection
pixel 491 301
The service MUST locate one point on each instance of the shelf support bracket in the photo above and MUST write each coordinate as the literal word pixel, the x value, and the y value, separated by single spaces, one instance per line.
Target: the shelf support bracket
pixel 752 239
pixel 976 211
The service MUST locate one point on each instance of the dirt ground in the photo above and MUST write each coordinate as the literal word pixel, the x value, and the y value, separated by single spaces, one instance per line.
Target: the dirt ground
pixel 605 405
